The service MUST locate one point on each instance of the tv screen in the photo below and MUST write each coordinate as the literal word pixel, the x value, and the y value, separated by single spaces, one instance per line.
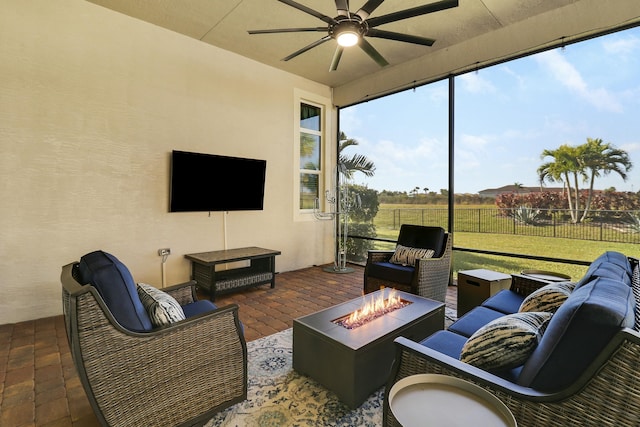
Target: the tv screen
pixel 207 182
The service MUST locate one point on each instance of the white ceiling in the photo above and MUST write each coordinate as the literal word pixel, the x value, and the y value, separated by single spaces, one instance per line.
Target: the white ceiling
pixel 474 34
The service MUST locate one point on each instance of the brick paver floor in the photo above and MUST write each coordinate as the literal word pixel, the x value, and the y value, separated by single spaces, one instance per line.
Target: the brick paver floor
pixel 38 382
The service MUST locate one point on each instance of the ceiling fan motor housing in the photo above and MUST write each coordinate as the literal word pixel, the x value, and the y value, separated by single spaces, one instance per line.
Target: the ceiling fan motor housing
pixel 346 24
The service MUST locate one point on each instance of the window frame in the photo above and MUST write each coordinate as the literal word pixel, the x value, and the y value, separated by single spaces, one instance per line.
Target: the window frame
pixel 327 155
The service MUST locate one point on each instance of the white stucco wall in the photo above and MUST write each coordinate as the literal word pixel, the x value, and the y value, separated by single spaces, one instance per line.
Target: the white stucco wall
pixel 91 104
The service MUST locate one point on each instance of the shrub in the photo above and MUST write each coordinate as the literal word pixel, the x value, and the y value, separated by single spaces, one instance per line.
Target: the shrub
pixel 525 215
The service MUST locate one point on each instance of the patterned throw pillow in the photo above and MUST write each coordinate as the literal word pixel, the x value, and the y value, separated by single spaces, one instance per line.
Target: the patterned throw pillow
pixel 163 309
pixel 405 255
pixel 548 298
pixel 635 287
pixel 506 342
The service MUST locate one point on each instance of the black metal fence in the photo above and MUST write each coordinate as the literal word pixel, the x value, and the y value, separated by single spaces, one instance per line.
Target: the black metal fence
pixel 600 225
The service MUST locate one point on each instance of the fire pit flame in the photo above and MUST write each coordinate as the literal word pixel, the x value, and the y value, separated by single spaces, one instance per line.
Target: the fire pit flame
pixel 372 309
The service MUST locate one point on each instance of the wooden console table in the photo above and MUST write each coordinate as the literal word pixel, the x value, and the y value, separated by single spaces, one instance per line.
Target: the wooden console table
pixel 261 269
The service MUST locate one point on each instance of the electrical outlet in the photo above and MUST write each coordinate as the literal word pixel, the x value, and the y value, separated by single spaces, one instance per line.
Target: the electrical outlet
pixel 164 251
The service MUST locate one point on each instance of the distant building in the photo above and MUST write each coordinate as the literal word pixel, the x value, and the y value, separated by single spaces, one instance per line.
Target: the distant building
pixel 493 192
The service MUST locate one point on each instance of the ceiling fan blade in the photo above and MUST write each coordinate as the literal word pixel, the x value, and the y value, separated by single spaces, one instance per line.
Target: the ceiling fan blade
pixel 306 48
pixel 368 8
pixel 287 30
pixel 410 13
pixel 305 9
pixel 336 58
pixel 343 7
pixel 372 52
pixel 400 37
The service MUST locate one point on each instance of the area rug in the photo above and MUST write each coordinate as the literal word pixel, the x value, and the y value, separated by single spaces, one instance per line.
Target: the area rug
pixel 279 396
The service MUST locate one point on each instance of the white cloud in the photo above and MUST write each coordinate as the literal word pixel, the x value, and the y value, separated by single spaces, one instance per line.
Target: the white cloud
pixel 349 119
pixel 390 152
pixel 564 72
pixel 474 83
pixel 474 142
pixel 622 46
pixel 509 72
pixel 631 147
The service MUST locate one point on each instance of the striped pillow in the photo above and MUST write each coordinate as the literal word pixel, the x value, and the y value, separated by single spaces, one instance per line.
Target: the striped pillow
pixel 506 342
pixel 405 255
pixel 635 286
pixel 163 309
pixel 548 298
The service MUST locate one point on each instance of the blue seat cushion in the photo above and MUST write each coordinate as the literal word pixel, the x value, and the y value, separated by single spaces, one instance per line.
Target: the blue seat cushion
pixel 504 301
pixel 473 320
pixel 445 342
pixel 115 285
pixel 198 307
pixel 578 331
pixel 391 272
pixel 201 307
pixel 449 343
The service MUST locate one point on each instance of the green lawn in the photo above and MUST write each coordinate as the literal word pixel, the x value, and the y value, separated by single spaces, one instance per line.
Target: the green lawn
pixel 572 249
pixel 581 250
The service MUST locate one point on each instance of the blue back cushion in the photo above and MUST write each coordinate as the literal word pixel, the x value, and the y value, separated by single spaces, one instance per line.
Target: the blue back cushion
pixel 577 333
pixel 115 285
pixel 610 264
pixel 419 236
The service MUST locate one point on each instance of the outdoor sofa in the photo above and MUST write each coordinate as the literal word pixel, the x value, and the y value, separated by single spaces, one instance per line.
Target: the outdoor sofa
pixel 582 368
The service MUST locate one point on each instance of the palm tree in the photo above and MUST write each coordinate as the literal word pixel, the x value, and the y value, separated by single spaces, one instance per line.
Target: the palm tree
pixel 587 161
pixel 563 168
pixel 599 159
pixel 518 186
pixel 356 163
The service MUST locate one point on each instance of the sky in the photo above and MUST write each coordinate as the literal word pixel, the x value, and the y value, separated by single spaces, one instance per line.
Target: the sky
pixel 505 116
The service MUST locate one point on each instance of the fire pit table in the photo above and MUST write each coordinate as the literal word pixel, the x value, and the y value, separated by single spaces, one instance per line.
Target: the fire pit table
pixel 353 363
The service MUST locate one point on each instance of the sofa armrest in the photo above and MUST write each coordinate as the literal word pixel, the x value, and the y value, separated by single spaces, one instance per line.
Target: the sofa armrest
pixel 524 285
pixel 184 293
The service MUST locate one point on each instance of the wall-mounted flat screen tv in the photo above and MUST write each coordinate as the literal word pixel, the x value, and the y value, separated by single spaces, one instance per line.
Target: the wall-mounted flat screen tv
pixel 206 182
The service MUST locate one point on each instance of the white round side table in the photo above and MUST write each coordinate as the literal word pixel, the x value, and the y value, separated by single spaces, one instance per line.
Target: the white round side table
pixel 440 400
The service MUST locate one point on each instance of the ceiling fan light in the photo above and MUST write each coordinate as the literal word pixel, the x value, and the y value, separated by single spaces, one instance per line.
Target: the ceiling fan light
pixel 348 38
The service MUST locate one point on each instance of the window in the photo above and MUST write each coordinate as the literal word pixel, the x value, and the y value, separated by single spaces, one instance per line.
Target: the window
pixel 310 140
pixel 314 152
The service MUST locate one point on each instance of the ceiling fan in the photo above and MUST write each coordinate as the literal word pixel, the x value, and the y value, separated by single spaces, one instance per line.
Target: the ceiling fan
pixel 350 29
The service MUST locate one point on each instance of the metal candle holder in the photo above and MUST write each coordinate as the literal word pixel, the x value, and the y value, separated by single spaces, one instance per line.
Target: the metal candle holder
pixel 342 203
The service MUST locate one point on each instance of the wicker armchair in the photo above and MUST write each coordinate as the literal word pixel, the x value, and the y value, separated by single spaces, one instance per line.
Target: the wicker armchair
pixel 180 374
pixel 429 277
